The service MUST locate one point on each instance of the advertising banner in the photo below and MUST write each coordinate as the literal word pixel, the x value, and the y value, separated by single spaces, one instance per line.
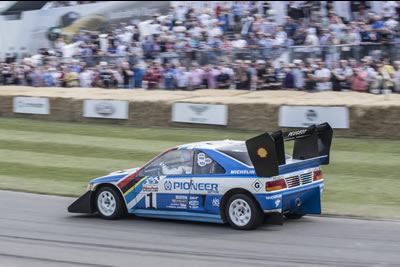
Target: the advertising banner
pixel 200 113
pixel 31 105
pixel 107 109
pixel 304 116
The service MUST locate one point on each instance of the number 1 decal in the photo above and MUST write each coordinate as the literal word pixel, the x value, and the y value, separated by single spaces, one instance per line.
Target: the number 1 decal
pixel 150 202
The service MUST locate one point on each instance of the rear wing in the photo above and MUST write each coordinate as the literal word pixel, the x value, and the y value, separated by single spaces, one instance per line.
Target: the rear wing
pixel 267 151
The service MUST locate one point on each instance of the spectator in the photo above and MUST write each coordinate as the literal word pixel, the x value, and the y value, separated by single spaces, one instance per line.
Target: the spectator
pixel 148 48
pixel 223 79
pixel 238 43
pixel 151 79
pixel 85 78
pixel 290 27
pixel 195 77
pixel 182 78
pixel 138 73
pixel 271 80
pixel 396 76
pixel 47 77
pixel 210 77
pixel 349 39
pixel 322 77
pixel 309 78
pixel 359 80
pixel 288 82
pixel 388 71
pixel 72 78
pixel 341 76
pixel 168 77
pixel 298 74
pixel 242 76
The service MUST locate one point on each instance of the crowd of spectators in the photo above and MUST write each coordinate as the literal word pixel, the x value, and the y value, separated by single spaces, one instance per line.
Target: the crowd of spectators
pixel 249 25
pixel 338 54
pixel 310 75
pixel 54 4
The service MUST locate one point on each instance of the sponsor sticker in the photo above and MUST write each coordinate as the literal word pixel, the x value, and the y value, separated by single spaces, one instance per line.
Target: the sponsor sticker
pixel 202 160
pixel 257 185
pixel 151 184
pixel 190 186
pixel 243 172
pixel 273 197
pixel 168 185
pixel 262 152
pixel 215 202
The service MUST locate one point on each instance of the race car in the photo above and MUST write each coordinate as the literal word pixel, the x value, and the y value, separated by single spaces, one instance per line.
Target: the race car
pixel 243 183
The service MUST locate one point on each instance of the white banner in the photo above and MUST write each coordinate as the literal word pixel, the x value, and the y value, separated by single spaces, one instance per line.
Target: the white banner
pixel 304 116
pixel 31 105
pixel 200 113
pixel 108 109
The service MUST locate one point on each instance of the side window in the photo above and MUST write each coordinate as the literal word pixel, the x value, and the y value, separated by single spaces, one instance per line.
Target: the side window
pixel 204 164
pixel 175 162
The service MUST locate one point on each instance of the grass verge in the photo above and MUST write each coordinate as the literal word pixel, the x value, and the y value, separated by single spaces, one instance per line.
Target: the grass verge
pixel 60 158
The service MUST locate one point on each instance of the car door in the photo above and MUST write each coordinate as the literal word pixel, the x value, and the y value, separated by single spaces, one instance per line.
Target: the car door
pixel 166 181
pixel 204 194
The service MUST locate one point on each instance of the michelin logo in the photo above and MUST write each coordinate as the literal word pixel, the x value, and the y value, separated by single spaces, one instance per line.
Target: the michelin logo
pixel 243 172
pixel 273 197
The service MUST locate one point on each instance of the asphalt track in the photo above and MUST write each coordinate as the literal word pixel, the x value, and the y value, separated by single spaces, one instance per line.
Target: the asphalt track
pixel 36 230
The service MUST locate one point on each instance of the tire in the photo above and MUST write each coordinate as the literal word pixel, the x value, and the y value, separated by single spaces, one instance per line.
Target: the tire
pixel 243 213
pixel 293 216
pixel 109 203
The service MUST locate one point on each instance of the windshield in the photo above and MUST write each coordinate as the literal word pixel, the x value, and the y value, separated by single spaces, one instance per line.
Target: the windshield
pixel 238 152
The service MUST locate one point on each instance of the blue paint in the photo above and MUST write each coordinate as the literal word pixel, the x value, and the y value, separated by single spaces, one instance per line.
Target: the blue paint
pixel 177 215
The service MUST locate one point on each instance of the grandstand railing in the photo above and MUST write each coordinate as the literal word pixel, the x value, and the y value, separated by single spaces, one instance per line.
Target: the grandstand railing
pixel 285 54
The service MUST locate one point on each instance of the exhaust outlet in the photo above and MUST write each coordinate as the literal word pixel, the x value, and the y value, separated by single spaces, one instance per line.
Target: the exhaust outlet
pixel 298 202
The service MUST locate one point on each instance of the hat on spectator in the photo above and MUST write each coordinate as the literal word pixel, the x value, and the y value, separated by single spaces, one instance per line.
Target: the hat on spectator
pixel 103 63
pixel 297 61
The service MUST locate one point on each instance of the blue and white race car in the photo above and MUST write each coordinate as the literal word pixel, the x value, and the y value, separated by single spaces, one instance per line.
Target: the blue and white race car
pixel 242 183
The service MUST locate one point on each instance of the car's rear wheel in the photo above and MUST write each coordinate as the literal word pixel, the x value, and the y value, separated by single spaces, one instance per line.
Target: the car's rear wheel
pixel 293 216
pixel 243 213
pixel 109 203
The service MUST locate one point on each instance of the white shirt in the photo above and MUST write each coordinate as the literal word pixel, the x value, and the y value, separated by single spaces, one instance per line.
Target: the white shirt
pixel 323 73
pixel 121 50
pixel 239 43
pixel 182 78
pixel 85 79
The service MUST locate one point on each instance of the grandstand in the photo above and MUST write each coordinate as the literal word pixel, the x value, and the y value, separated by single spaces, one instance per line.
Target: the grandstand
pixel 266 45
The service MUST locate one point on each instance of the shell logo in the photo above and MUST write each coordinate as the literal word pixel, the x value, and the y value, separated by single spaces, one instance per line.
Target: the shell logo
pixel 262 152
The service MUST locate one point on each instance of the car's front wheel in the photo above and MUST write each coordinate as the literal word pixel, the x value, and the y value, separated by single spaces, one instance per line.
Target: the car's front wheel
pixel 109 203
pixel 242 213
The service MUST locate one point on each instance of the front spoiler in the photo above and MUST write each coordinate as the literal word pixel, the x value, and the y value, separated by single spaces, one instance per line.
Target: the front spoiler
pixel 82 204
